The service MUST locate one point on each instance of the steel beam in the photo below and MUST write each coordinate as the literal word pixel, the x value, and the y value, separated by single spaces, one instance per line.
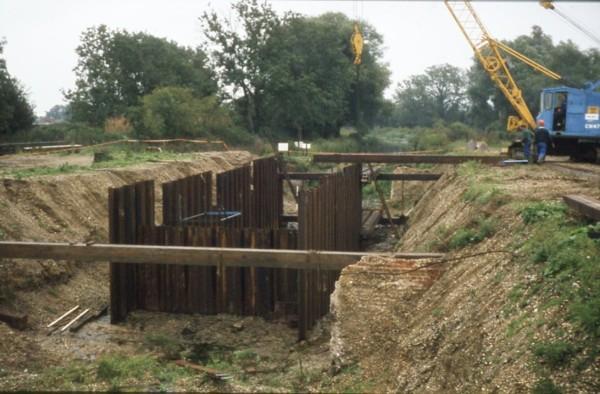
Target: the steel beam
pixel 401 158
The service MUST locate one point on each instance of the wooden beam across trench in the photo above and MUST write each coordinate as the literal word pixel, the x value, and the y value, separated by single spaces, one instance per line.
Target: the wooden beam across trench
pixel 303 176
pixel 401 158
pixel 194 256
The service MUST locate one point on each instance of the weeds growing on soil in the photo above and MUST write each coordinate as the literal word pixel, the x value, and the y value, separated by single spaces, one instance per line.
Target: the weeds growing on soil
pixel 117 369
pixel 482 229
pixel 565 259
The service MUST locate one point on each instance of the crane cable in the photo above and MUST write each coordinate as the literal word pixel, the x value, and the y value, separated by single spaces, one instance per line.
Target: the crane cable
pixel 549 5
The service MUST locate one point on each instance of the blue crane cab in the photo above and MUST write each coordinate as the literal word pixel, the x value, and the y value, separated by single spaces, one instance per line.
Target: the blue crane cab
pixel 573 118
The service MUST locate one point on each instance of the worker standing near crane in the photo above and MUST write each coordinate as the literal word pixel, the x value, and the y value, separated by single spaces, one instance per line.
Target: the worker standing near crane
pixel 542 141
pixel 527 139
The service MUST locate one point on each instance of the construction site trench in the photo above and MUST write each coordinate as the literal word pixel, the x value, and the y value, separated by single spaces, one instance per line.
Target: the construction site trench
pixel 391 324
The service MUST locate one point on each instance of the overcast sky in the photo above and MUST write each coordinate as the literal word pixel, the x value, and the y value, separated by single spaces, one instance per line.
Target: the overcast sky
pixel 42 34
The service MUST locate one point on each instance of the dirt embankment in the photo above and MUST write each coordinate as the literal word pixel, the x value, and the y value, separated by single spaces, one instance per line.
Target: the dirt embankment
pixel 453 336
pixel 73 208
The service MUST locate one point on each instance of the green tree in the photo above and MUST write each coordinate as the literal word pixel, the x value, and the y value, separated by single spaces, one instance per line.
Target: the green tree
pixel 437 94
pixel 16 114
pixel 308 93
pixel 489 105
pixel 117 68
pixel 172 111
pixel 58 113
pixel 240 56
pixel 322 89
pixel 294 74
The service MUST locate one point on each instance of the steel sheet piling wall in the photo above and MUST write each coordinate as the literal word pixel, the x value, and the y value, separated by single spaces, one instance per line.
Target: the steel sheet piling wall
pixel 329 218
pixel 130 208
pixel 186 197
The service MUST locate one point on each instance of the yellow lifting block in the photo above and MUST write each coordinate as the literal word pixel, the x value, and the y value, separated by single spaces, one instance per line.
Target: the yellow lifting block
pixel 357 44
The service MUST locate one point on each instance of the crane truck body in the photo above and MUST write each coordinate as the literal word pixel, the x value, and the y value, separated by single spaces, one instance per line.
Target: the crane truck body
pixel 573 118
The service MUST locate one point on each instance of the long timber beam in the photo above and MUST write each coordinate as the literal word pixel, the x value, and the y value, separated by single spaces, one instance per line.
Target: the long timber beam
pixel 196 256
pixel 311 176
pixel 587 206
pixel 401 158
pixel 408 177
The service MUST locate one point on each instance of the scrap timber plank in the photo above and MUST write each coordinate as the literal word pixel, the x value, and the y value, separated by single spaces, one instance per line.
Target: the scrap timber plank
pixel 585 205
pixel 195 256
pixel 401 158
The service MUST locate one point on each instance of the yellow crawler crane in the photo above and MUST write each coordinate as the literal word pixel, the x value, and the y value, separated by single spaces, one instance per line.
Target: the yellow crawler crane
pixel 490 53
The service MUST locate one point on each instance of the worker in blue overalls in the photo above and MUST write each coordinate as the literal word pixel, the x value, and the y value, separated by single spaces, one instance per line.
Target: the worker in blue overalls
pixel 527 139
pixel 542 141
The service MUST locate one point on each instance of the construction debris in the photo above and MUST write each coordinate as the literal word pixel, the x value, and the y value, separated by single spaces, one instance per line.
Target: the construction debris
pixel 101 311
pixel 67 313
pixel 69 324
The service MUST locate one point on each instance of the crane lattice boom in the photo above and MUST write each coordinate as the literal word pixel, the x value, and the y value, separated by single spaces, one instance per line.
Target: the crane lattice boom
pixel 489 53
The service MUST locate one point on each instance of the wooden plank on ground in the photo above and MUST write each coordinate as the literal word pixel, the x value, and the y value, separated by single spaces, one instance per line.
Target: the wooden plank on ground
pixel 69 324
pixel 101 311
pixel 67 313
pixel 587 206
pixel 401 158
pixel 197 256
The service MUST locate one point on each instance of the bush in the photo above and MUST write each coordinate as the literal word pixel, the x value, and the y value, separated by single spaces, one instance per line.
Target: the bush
pixel 483 193
pixel 463 237
pixel 391 139
pixel 430 139
pixel 554 354
pixel 539 211
pixel 165 343
pixel 236 136
pixel 566 261
pixel 340 145
pixel 113 368
pixel 483 229
pixel 70 133
pixel 546 386
pixel 174 112
pixel 460 131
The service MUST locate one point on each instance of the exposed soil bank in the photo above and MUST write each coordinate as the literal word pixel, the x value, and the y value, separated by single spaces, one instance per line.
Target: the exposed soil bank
pixel 464 333
pixel 73 208
pixel 450 327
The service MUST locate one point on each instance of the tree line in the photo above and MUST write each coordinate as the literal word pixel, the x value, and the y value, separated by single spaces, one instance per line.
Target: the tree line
pixel 448 93
pixel 290 76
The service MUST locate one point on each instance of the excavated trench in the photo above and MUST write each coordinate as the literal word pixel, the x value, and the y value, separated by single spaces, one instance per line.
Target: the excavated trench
pixel 409 326
pixel 73 208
